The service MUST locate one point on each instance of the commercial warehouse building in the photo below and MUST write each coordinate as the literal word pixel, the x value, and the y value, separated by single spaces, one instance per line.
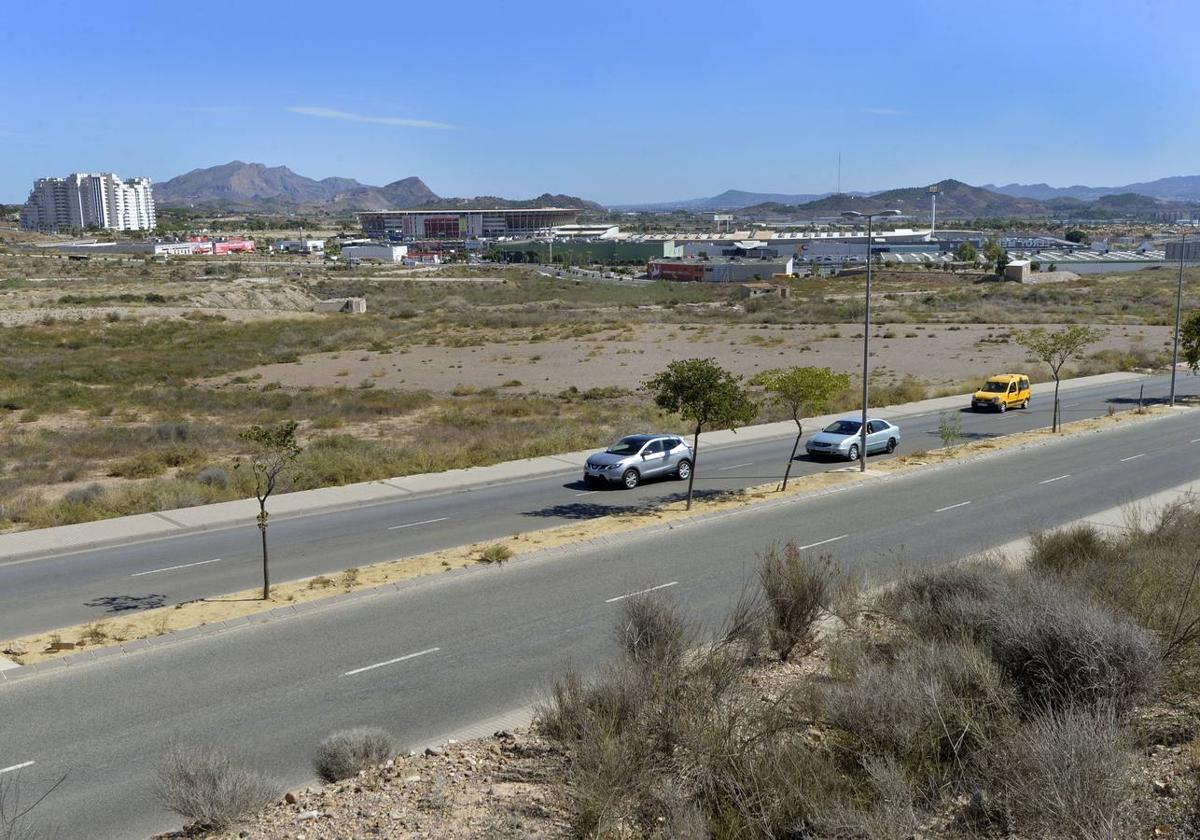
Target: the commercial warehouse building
pixel 465 224
pixel 718 270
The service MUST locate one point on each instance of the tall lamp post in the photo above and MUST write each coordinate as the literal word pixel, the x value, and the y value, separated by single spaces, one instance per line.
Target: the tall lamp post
pixel 862 432
pixel 1178 308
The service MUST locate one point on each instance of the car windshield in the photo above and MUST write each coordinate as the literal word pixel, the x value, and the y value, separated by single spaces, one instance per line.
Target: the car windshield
pixel 844 427
pixel 995 387
pixel 627 446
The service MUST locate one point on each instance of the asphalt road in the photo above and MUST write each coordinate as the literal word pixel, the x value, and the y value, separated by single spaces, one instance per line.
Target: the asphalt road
pixel 447 651
pixel 38 594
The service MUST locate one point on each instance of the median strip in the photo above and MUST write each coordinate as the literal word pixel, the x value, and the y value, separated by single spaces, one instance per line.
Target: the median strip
pixel 240 606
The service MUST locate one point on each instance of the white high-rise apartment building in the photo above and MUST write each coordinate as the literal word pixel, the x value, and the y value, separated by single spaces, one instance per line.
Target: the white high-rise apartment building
pixel 83 200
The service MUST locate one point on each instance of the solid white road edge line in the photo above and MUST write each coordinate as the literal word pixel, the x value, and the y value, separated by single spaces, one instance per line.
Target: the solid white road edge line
pixel 390 662
pixel 17 767
pixel 1056 478
pixel 1133 457
pixel 415 524
pixel 951 507
pixel 642 592
pixel 173 568
pixel 822 542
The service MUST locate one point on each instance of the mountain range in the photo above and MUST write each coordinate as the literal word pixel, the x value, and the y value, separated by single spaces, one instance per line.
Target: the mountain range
pixel 1174 188
pixel 256 187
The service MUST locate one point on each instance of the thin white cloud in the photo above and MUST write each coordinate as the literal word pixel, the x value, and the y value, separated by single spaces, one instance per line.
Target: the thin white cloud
pixel 331 114
pixel 882 112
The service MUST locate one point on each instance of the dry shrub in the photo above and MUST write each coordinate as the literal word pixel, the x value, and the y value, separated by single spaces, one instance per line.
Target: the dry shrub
pixel 1055 647
pixel 651 629
pixel 495 553
pixel 210 787
pixel 931 706
pixel 799 590
pixel 1065 774
pixel 1148 572
pixel 350 751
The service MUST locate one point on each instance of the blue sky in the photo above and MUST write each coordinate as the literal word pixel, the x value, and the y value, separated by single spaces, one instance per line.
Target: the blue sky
pixel 614 101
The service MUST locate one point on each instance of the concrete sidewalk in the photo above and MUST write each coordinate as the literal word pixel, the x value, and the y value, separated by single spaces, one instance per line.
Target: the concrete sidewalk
pixel 86 535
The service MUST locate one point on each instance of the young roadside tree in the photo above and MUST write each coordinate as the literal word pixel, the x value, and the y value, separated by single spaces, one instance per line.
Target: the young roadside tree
pixel 1189 340
pixel 1056 349
pixel 273 451
pixel 802 391
pixel 705 394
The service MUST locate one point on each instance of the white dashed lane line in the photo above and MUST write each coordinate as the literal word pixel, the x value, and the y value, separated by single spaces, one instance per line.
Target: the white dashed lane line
pixel 640 592
pixel 16 767
pixel 951 507
pixel 415 524
pixel 1133 457
pixel 1056 478
pixel 390 662
pixel 174 568
pixel 822 542
pixel 735 466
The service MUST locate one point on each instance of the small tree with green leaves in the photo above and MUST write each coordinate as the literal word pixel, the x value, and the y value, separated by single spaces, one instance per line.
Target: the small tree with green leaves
pixel 1189 340
pixel 950 429
pixel 705 394
pixel 965 252
pixel 274 451
pixel 1056 349
pixel 801 390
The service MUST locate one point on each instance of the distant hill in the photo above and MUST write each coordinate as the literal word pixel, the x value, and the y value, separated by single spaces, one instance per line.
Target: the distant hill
pixel 255 187
pixel 954 199
pixel 728 200
pixel 1174 188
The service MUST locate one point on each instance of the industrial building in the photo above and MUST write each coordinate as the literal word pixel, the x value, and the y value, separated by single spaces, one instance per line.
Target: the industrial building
pixel 84 201
pixel 375 253
pixel 1188 250
pixel 300 246
pixel 725 270
pixel 159 248
pixel 465 224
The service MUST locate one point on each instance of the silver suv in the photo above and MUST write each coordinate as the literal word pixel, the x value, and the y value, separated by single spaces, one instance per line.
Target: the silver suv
pixel 637 457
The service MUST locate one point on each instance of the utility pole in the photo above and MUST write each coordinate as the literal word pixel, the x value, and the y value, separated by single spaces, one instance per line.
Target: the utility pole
pixel 1178 311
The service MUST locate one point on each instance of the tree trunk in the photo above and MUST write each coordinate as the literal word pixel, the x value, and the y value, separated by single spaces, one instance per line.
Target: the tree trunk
pixel 1055 424
pixel 795 446
pixel 262 528
pixel 695 460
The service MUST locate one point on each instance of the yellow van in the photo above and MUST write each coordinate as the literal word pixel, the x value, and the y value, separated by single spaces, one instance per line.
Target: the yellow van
pixel 1002 392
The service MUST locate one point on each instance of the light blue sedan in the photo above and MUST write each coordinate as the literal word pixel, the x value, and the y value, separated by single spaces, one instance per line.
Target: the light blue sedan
pixel 841 439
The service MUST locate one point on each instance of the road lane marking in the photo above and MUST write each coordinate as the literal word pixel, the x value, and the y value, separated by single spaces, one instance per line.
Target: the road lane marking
pixel 1194 440
pixel 1133 457
pixel 822 542
pixel 587 492
pixel 735 466
pixel 951 507
pixel 1056 478
pixel 17 767
pixel 390 662
pixel 415 524
pixel 173 568
pixel 642 592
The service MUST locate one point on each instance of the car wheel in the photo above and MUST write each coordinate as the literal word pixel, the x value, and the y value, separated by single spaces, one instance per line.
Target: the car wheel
pixel 1026 403
pixel 684 470
pixel 891 447
pixel 631 478
pixel 852 453
pixel 1002 406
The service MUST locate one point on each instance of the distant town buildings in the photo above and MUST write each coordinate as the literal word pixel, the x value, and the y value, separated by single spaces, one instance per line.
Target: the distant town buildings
pixel 300 246
pixel 465 224
pixel 85 201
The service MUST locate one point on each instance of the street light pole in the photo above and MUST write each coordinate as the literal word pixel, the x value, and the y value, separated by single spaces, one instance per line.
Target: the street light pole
pixel 862 431
pixel 1178 310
